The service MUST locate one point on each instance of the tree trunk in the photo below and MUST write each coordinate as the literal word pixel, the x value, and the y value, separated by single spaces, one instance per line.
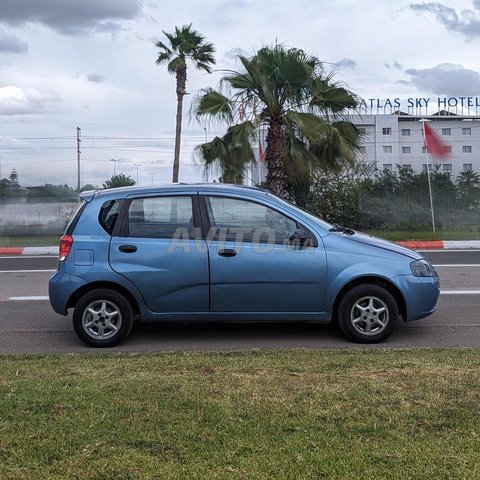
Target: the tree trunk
pixel 181 89
pixel 274 157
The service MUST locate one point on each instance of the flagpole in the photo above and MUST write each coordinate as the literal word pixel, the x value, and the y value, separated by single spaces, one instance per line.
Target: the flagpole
pixel 428 174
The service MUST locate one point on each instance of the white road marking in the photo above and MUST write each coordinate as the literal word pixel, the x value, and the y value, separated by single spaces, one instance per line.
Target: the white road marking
pixel 442 292
pixel 458 265
pixel 26 271
pixel 32 297
pixel 459 292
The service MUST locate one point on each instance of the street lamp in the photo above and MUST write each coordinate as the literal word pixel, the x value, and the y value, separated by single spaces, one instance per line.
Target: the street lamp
pixel 137 165
pixel 114 160
pixel 151 175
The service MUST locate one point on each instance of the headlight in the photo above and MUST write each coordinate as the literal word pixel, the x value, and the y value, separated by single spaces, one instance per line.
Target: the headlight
pixel 423 268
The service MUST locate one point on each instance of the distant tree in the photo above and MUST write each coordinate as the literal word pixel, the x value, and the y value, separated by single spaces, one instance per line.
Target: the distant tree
pixel 184 44
pixel 87 187
pixel 13 177
pixel 468 189
pixel 119 180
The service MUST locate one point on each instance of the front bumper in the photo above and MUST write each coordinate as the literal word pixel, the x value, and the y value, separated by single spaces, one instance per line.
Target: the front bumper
pixel 420 294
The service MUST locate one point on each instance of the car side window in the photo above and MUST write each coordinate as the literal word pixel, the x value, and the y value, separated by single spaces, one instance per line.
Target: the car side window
pixel 160 217
pixel 248 222
pixel 108 214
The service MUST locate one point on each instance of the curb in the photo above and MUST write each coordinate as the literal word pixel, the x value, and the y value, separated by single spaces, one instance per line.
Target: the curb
pixel 21 251
pixel 441 244
pixel 412 244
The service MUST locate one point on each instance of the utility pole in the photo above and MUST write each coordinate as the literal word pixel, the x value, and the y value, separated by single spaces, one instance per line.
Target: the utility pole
pixel 151 175
pixel 137 165
pixel 78 158
pixel 115 160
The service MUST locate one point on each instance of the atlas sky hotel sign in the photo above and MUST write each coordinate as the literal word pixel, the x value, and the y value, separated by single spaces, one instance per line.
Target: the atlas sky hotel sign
pixel 421 105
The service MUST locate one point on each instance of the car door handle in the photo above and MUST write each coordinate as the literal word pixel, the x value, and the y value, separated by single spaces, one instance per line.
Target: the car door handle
pixel 127 248
pixel 227 252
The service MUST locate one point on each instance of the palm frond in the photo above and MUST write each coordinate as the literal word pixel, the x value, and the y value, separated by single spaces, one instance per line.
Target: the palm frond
pixel 213 104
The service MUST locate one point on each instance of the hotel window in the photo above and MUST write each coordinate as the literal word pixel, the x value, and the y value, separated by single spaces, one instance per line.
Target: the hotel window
pixel 386 131
pixel 405 132
pixel 407 165
pixel 406 149
pixel 467 167
pixel 424 149
pixel 387 149
pixel 466 131
pixel 447 148
pixel 447 168
pixel 446 131
pixel 388 166
pixel 424 167
pixel 467 149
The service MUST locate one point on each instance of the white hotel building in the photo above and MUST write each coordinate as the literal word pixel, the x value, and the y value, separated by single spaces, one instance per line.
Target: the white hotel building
pixel 393 134
pixel 397 139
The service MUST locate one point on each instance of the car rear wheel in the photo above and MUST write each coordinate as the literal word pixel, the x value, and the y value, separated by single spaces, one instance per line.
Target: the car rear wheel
pixel 368 314
pixel 102 318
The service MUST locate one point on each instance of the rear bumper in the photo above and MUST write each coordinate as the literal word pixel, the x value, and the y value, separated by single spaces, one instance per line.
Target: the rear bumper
pixel 60 288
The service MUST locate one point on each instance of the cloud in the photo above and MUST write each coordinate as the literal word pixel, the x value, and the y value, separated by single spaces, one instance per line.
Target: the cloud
pixel 12 44
pixel 69 17
pixel 95 78
pixel 16 101
pixel 395 64
pixel 445 79
pixel 347 63
pixel 466 22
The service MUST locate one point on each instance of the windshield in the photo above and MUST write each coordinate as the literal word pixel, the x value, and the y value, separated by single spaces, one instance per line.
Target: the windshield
pixel 310 216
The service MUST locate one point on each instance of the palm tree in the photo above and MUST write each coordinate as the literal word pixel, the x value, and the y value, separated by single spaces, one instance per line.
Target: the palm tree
pixel 184 44
pixel 288 93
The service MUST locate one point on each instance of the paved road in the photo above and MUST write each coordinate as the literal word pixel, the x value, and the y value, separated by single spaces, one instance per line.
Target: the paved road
pixel 29 325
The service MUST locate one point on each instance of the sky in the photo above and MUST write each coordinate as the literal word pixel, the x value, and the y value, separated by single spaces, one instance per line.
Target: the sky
pixel 91 64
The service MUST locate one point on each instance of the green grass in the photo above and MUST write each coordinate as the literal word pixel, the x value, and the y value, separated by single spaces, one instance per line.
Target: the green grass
pixel 44 241
pixel 344 414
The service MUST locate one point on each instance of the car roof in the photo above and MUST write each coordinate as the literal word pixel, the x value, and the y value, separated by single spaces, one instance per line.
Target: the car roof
pixel 122 192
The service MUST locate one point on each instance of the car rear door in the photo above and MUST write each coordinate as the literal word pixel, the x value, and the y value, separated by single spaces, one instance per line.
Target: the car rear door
pixel 156 250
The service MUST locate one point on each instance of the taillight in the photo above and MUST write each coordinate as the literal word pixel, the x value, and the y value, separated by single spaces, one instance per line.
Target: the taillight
pixel 64 249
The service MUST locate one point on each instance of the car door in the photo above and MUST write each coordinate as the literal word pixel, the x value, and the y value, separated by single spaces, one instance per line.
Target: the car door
pixel 256 262
pixel 156 250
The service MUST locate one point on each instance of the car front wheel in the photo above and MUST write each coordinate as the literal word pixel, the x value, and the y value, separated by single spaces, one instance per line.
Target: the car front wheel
pixel 368 314
pixel 102 318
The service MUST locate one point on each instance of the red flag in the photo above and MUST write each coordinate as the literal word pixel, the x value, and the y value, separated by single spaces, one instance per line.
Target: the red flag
pixel 261 153
pixel 433 143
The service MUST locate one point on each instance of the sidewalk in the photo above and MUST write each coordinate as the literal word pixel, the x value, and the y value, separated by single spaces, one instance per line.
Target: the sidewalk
pixel 414 245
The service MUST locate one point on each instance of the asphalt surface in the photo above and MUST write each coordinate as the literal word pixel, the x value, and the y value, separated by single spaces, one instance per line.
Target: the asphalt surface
pixel 28 325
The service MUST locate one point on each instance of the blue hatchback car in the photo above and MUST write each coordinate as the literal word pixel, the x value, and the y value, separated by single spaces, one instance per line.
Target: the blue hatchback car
pixel 212 252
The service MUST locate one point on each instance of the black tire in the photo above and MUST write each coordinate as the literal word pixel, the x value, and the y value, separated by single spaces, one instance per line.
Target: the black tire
pixel 103 318
pixel 368 314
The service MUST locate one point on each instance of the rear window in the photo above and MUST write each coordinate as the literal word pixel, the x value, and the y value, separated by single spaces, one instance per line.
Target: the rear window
pixel 108 215
pixel 73 222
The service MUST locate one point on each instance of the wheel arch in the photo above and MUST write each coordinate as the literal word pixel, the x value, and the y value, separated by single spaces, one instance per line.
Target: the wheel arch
pixel 75 297
pixel 372 280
